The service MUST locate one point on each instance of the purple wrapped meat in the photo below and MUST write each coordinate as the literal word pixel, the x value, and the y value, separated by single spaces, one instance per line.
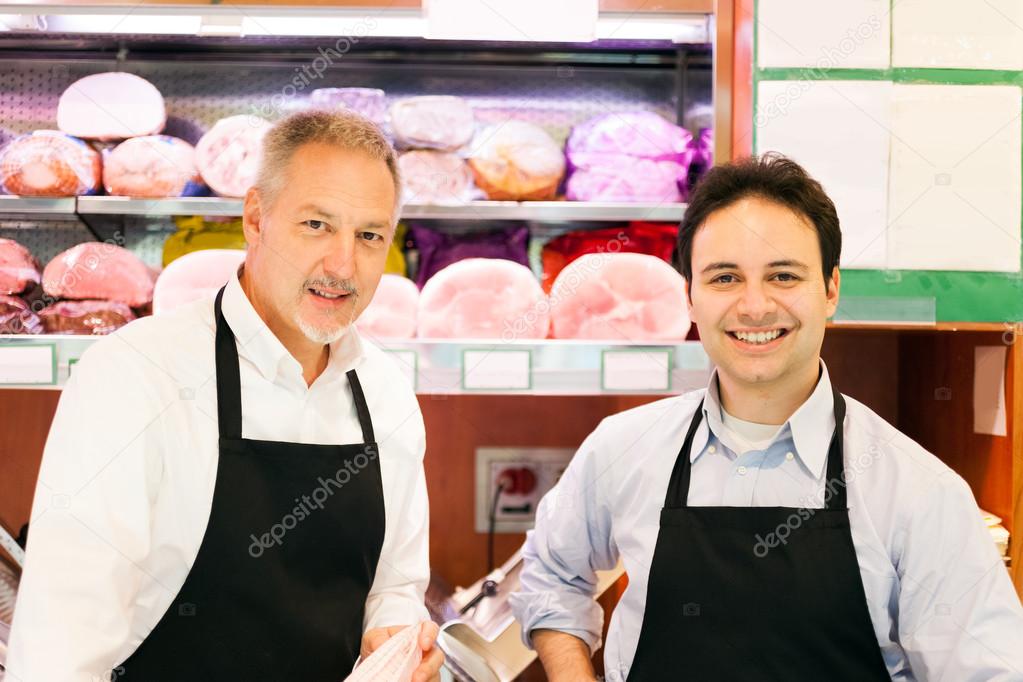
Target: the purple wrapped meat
pixel 16 317
pixel 630 157
pixel 370 102
pixel 85 317
pixel 437 250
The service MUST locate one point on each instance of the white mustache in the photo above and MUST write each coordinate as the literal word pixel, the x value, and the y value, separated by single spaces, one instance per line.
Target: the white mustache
pixel 330 283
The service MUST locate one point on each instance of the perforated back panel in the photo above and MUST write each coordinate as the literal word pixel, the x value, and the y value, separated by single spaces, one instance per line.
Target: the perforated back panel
pixel 197 94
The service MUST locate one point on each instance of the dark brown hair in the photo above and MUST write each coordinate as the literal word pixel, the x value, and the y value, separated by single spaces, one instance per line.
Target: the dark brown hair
pixel 772 177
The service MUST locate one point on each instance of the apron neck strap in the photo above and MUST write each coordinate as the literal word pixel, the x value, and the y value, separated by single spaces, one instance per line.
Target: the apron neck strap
pixel 835 496
pixel 365 421
pixel 229 385
pixel 229 390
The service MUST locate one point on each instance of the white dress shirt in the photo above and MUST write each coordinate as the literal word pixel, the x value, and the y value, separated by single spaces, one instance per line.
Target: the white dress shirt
pixel 939 597
pixel 126 483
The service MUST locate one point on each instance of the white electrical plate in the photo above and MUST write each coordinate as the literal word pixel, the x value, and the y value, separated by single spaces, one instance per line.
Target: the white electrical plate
pixel 547 464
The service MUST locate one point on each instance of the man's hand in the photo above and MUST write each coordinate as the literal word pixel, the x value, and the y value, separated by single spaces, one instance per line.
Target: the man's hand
pixel 433 657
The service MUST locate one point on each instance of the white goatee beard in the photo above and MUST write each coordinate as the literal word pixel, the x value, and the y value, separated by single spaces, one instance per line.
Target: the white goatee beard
pixel 320 335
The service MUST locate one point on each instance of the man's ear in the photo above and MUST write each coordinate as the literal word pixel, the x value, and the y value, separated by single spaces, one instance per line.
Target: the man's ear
pixel 832 294
pixel 689 297
pixel 252 216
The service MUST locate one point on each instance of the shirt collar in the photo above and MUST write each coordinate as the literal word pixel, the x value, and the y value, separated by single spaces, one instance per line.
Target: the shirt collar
pixel 810 426
pixel 261 347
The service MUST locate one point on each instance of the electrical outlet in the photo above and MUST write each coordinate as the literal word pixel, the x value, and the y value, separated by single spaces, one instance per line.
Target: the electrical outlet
pixel 525 474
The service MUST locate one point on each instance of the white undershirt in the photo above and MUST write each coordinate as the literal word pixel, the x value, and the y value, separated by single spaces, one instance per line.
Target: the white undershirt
pixel 743 436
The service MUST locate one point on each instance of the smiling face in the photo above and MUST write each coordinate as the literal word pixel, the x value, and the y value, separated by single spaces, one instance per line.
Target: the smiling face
pixel 316 254
pixel 758 294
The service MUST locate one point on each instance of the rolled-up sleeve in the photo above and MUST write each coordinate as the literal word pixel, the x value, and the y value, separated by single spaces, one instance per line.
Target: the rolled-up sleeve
pixel 959 616
pixel 571 541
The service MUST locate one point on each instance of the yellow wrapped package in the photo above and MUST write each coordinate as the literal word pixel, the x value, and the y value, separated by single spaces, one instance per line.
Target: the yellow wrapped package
pixel 196 233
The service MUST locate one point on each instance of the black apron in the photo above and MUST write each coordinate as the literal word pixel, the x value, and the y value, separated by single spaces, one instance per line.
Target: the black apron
pixel 278 589
pixel 757 593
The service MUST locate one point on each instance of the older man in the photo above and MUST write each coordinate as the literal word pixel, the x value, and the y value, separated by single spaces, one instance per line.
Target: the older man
pixel 234 490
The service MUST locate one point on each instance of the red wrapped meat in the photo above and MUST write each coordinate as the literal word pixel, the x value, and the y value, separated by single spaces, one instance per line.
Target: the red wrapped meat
pixel 392 312
pixel 48 163
pixel 483 298
pixel 99 270
pixel 619 297
pixel 16 317
pixel 435 178
pixel 228 155
pixel 656 239
pixel 85 317
pixel 152 166
pixel 433 122
pixel 193 276
pixel 18 269
pixel 111 106
pixel 517 161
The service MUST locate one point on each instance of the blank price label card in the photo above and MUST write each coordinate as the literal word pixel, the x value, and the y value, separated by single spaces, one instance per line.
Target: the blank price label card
pixel 497 370
pixel 636 370
pixel 28 364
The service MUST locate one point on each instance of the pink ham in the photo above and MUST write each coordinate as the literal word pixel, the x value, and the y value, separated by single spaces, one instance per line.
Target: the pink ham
pixel 435 178
pixel 483 298
pixel 619 297
pixel 228 155
pixel 392 312
pixel 99 270
pixel 193 276
pixel 48 163
pixel 18 269
pixel 85 317
pixel 152 166
pixel 111 106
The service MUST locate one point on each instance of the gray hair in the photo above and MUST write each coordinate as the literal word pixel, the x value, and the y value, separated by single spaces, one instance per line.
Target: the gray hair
pixel 342 128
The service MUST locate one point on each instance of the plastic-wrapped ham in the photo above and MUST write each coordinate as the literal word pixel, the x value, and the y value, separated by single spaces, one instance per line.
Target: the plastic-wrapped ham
pixel 193 276
pixel 48 163
pixel 99 270
pixel 517 161
pixel 633 156
pixel 392 312
pixel 16 317
pixel 483 298
pixel 369 102
pixel 111 106
pixel 701 149
pixel 432 177
pixel 394 661
pixel 152 166
pixel 85 317
pixel 619 297
pixel 18 268
pixel 432 122
pixel 228 155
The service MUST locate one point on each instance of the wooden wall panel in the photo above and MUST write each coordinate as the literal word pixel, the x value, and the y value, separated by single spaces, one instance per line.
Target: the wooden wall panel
pixel 864 365
pixel 936 410
pixel 25 421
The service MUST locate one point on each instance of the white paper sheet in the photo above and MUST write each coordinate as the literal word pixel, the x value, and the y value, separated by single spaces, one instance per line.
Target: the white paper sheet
pixel 639 370
pixel 823 34
pixel 839 131
pixel 980 34
pixel 496 369
pixel 954 199
pixel 989 390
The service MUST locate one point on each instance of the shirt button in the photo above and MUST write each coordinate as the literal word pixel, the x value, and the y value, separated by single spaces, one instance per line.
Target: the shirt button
pixel 712 449
pixel 789 456
pixel 742 471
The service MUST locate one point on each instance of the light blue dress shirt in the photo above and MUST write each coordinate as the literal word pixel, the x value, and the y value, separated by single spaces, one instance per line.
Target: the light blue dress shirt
pixel 939 596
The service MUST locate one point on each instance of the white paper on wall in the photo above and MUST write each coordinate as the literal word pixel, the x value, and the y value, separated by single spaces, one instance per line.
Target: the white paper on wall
pixel 838 131
pixel 954 199
pixel 986 34
pixel 989 390
pixel 824 34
